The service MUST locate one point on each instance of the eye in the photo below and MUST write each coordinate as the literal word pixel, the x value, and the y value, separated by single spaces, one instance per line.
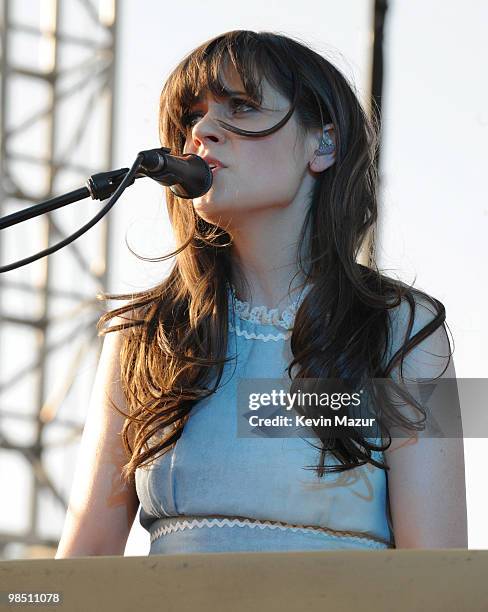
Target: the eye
pixel 236 105
pixel 188 118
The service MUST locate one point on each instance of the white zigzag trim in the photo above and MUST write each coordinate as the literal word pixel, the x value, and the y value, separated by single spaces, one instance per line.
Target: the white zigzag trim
pixel 254 336
pixel 225 522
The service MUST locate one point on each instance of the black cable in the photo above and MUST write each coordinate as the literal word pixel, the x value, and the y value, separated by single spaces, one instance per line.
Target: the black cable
pixel 55 247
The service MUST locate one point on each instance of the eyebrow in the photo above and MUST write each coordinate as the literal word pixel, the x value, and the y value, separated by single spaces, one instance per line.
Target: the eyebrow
pixel 226 92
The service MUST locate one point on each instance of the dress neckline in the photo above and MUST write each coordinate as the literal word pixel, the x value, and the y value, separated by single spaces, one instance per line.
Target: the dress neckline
pixel 263 315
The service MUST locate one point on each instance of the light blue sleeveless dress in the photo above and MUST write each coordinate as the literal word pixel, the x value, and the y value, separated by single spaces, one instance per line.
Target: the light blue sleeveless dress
pixel 217 492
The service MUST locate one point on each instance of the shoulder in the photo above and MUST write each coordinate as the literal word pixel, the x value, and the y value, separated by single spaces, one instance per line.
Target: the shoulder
pixel 419 346
pixel 122 321
pixel 420 308
pixel 412 315
pixel 418 332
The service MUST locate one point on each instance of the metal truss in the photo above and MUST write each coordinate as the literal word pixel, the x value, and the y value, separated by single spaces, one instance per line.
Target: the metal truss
pixel 56 126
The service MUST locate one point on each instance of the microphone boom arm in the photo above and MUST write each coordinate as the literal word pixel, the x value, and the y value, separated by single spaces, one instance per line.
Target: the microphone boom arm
pixel 188 176
pixel 157 164
pixel 99 187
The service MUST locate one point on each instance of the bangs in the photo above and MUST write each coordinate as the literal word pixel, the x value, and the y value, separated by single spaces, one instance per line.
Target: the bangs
pixel 203 71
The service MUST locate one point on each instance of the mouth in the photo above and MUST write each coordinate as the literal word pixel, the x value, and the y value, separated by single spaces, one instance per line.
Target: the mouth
pixel 214 168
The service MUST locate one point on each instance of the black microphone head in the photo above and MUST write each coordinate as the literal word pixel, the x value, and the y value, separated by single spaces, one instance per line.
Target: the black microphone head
pixel 198 176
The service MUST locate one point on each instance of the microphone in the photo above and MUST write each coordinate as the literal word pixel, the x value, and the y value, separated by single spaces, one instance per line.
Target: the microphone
pixel 188 176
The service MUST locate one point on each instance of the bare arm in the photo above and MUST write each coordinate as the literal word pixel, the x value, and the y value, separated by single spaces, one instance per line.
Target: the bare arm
pixel 426 479
pixel 428 495
pixel 102 507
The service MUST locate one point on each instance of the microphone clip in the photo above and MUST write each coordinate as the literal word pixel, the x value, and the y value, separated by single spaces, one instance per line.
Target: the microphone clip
pixel 103 184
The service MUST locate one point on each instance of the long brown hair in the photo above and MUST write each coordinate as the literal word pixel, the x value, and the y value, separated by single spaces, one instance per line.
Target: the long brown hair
pixel 176 331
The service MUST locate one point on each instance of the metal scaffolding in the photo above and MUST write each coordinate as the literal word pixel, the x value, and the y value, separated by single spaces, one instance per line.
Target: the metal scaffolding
pixel 56 126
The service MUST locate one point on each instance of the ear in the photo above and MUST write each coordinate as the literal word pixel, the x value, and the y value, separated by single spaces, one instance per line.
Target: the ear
pixel 320 161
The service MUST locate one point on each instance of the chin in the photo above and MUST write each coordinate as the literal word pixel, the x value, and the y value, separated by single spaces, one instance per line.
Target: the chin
pixel 211 207
pixel 213 212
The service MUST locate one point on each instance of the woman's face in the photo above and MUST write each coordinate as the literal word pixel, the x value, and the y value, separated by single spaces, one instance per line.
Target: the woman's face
pixel 258 173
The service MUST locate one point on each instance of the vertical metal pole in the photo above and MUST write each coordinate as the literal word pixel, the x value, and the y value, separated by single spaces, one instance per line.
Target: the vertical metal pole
pixel 367 255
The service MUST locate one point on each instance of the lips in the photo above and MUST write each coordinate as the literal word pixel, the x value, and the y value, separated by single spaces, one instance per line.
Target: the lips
pixel 214 163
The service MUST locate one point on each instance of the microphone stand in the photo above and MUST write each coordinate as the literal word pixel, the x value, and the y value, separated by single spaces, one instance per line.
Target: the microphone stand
pixel 99 187
pixel 188 176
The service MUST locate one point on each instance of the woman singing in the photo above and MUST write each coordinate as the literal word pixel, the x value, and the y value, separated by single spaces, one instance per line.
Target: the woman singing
pixel 265 284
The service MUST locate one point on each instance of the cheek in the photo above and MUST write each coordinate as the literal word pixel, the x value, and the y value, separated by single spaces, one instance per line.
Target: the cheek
pixel 187 148
pixel 272 169
pixel 271 160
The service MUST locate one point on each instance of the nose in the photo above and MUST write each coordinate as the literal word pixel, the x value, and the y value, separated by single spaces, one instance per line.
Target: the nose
pixel 206 130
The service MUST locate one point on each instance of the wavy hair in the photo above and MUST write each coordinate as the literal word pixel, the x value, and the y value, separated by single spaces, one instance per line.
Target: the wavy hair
pixel 175 333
